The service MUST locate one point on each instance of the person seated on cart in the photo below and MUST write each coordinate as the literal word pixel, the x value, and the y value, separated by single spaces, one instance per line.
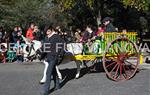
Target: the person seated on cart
pixel 98 39
pixel 124 32
pixel 78 36
pixel 108 26
pixel 87 39
pixel 100 32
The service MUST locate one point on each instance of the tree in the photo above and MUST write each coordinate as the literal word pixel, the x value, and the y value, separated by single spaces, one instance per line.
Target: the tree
pixel 71 12
pixel 138 4
pixel 89 11
pixel 92 11
pixel 23 12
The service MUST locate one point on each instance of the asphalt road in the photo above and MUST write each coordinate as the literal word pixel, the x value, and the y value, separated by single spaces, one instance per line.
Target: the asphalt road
pixel 23 79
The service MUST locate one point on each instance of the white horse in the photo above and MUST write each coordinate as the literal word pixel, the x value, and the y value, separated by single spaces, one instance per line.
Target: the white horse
pixel 72 50
pixel 30 48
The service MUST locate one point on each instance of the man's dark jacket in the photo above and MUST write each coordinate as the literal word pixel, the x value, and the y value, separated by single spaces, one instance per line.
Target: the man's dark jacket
pixel 110 28
pixel 51 46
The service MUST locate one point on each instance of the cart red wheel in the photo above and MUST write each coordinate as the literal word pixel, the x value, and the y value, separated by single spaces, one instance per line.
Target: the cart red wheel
pixel 121 59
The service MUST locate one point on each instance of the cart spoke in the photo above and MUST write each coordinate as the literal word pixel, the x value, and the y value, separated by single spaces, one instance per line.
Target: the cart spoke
pixel 130 63
pixel 110 64
pixel 129 70
pixel 125 73
pixel 116 73
pixel 120 71
pixel 114 68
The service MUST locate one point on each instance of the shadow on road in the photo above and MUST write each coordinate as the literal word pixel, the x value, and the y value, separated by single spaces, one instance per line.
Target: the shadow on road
pixel 69 74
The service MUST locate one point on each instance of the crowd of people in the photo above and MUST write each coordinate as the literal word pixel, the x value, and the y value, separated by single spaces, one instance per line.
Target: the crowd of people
pixel 15 38
pixel 86 35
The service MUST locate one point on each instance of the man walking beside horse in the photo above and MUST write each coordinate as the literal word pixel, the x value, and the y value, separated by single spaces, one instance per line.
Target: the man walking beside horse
pixel 54 48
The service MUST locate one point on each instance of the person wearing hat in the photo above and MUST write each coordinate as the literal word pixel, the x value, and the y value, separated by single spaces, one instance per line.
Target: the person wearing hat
pixel 108 25
pixel 52 57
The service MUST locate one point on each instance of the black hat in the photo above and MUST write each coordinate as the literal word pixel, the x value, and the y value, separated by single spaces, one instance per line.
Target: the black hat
pixel 106 19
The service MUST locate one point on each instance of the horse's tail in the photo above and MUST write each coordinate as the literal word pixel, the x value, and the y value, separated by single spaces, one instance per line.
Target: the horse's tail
pixel 60 59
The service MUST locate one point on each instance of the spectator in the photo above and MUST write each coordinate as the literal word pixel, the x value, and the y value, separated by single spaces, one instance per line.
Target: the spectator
pixel 36 33
pixel 17 33
pixel 2 35
pixel 3 51
pixel 14 34
pixel 29 33
pixel 6 37
pixel 19 50
pixel 19 43
pixel 60 32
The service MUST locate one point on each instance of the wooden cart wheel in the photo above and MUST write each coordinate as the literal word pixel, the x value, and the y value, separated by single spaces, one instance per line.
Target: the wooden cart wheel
pixel 121 59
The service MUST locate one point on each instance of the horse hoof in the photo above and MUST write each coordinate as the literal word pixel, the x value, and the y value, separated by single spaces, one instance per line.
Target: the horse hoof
pixel 41 82
pixel 60 78
pixel 77 76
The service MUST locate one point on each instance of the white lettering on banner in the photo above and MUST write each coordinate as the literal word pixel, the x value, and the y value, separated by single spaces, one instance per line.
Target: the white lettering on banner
pixel 129 47
pixel 65 47
pixel 46 47
pixel 11 46
pixel 145 48
pixel 58 46
pixel 140 47
pixel 76 48
pixel 120 49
